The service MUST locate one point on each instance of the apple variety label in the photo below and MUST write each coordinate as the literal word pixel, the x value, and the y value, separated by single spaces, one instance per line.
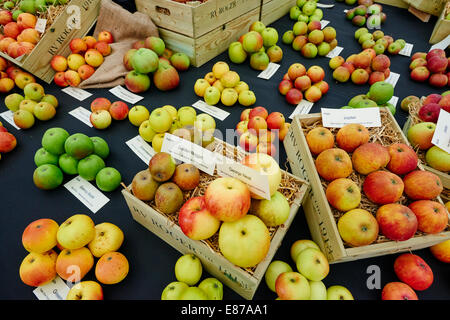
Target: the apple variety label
pixel 324 23
pixel 141 148
pixel 122 93
pixel 441 136
pixel 83 115
pixel 442 44
pixel 40 25
pixel 335 52
pixel 407 50
pixel 302 108
pixel 77 93
pixel 393 101
pixel 9 117
pixel 56 289
pixel 89 195
pixel 325 6
pixel 337 118
pixel 393 78
pixel 211 110
pixel 188 152
pixel 269 71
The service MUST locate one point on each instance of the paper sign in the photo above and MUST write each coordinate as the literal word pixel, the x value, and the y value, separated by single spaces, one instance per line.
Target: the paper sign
pixel 269 71
pixel 84 191
pixel 407 50
pixel 83 115
pixel 77 93
pixel 9 117
pixel 393 78
pixel 56 289
pixel 324 23
pixel 141 148
pixel 211 110
pixel 393 101
pixel 302 108
pixel 442 44
pixel 441 136
pixel 337 118
pixel 188 152
pixel 125 95
pixel 40 25
pixel 326 6
pixel 335 52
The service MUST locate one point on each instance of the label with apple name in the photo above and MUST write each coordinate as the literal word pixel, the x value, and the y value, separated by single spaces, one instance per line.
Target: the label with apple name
pixel 211 110
pixel 269 71
pixel 393 79
pixel 9 117
pixel 89 195
pixel 326 6
pixel 56 289
pixel 83 115
pixel 324 23
pixel 335 52
pixel 122 93
pixel 77 93
pixel 442 44
pixel 302 108
pixel 141 148
pixel 188 152
pixel 407 50
pixel 40 25
pixel 441 136
pixel 337 118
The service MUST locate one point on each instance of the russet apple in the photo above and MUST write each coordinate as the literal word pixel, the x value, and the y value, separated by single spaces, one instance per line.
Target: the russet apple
pixel 292 286
pixel 168 198
pixel 38 269
pixel 383 187
pixel 432 216
pixel 144 186
pixel 73 265
pixel 343 194
pixel 370 157
pixel 441 251
pixel 40 235
pixel 111 268
pixel 414 271
pixel 398 291
pixel 396 221
pixel 422 185
pixel 108 238
pixel 186 176
pixel 358 227
pixel 162 166
pixel 333 163
pixel 85 290
pixel 76 232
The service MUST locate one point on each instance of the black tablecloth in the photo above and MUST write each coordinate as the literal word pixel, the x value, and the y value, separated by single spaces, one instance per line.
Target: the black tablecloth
pixel 151 259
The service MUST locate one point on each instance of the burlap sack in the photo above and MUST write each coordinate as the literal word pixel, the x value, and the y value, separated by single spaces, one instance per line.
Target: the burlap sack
pixel 126 28
pixel 433 7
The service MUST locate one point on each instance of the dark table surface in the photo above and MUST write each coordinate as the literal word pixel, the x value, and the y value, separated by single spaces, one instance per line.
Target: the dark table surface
pixel 151 259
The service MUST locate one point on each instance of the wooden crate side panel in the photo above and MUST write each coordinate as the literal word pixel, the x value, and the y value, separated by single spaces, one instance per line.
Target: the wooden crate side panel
pixel 273 10
pixel 395 3
pixel 441 28
pixel 179 43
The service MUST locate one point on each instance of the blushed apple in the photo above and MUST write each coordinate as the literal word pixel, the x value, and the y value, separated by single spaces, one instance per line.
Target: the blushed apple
pixel 383 187
pixel 333 163
pixel 38 269
pixel 414 271
pixel 111 268
pixel 358 227
pixel 108 238
pixel 422 185
pixel 431 215
pixel 396 221
pixel 73 265
pixel 292 286
pixel 196 221
pixel 398 291
pixel 275 268
pixel 40 235
pixel 300 245
pixel 370 157
pixel 85 290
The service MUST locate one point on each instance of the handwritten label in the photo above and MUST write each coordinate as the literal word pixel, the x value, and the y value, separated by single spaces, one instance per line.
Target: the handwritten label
pixel 324 23
pixel 211 110
pixel 441 136
pixel 269 71
pixel 40 25
pixel 141 148
pixel 337 118
pixel 77 93
pixel 84 191
pixel 407 50
pixel 122 93
pixel 83 115
pixel 335 52
pixel 302 108
pixel 9 117
pixel 442 44
pixel 56 289
pixel 393 79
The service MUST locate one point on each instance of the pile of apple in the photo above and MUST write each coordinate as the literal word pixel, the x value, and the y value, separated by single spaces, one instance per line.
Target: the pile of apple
pixel 299 82
pixel 405 196
pixel 103 112
pixel 258 130
pixel 306 11
pixel 79 241
pixel 260 43
pixel 12 76
pixel 310 40
pixel 366 12
pixel 8 141
pixel 87 54
pixel 361 68
pixel 305 283
pixel 188 272
pixel 432 66
pixel 378 96
pixel 33 104
pixel 62 153
pixel 379 42
pixel 224 85
pixel 150 59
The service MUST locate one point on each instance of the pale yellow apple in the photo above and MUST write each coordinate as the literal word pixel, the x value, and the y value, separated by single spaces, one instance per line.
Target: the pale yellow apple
pixel 146 131
pixel 188 269
pixel 212 287
pixel 76 232
pixel 173 290
pixel 108 238
pixel 274 269
pixel 160 120
pixel 157 142
pixel 273 212
pixel 85 290
pixel 339 293
pixel 229 97
pixel 300 245
pixel 186 116
pixel 171 110
pixel 318 290
pixel 200 87
pixel 241 86
pixel 220 68
pixel 313 264
pixel 205 122
pixel 138 114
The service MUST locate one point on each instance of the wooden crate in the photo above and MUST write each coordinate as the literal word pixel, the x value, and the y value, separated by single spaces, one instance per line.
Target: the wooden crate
pixel 433 7
pixel 272 10
pixel 56 39
pixel 243 281
pixel 318 212
pixel 442 28
pixel 395 3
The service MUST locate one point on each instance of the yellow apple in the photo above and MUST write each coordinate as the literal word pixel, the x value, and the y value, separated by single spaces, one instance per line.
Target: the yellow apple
pixel 274 269
pixel 339 293
pixel 85 290
pixel 313 264
pixel 157 142
pixel 146 131
pixel 40 235
pixel 200 87
pixel 37 269
pixel 76 232
pixel 108 238
pixel 73 265
pixel 171 110
pixel 300 245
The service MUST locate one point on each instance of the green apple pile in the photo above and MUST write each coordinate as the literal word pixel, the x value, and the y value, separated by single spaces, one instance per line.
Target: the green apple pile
pixel 305 283
pixel 188 272
pixel 366 13
pixel 378 96
pixel 62 153
pixel 33 104
pixel 306 11
pixel 378 41
pixel 260 43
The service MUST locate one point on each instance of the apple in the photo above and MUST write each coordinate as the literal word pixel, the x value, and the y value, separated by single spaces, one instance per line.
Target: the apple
pixel 398 291
pixel 383 187
pixel 162 166
pixel 229 97
pixel 403 158
pixel 351 136
pixel 258 111
pixel 252 41
pixel 73 265
pixel 358 227
pixel 212 287
pixel 101 147
pixel 34 91
pixel 137 82
pixel 246 98
pixel 160 120
pixel 414 271
pixel 76 232
pixel 248 141
pixel 343 194
pixel 270 36
pixel 100 119
pixel 13 100
pixel 40 235
pixel 241 127
pixel 300 245
pixel 432 216
pixel 85 290
pixel 193 293
pixel 236 52
pixel 429 112
pixel 318 290
pixel 333 163
pixel 138 114
pixel 438 159
pixel 420 135
pixel 166 77
pixel 312 264
pixel 196 221
pixel 370 157
pixel 273 212
pixel 219 69
pixel 68 164
pixel 339 293
pixel 275 268
pixel 173 290
pixel 156 44
pixel 212 95
pixel 292 286
pixel 119 110
pixel 144 186
pixel 168 198
pixel 42 156
pixel 441 251
pixel 38 269
pixel 53 140
pixel 47 176
pixel 319 139
pixel 111 268
pixel 144 61
pixel 422 185
pixel 108 179
pixel 188 269
pixel 397 222
pixel 186 176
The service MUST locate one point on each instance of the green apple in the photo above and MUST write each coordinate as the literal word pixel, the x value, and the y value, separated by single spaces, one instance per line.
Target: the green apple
pixel 13 100
pixel 447 17
pixel 173 290
pixel 16 13
pixel 49 98
pixel 270 37
pixel 48 177
pixel 138 114
pixel 193 293
pixel 288 37
pixel 212 95
pixel 188 269
pixel 205 122
pixel 313 264
pixel 160 120
pixel 213 288
pixel 108 179
pixel 186 116
pixel 79 145
pixel 89 167
pixel 54 140
pixel 309 7
pixel 438 159
pixel 146 131
pixel 361 31
pixel 300 245
pixel 68 164
pixel 339 293
pixel 8 5
pixel 40 5
pixel 27 6
pixel 318 290
pixel 236 52
pixel 303 18
pixel 101 147
pixel 294 13
pixel 34 91
pixel 381 92
pixel 42 156
pixel 274 269
pixel 272 212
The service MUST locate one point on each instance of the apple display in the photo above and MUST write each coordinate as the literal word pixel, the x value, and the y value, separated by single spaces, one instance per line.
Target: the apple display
pixel 188 269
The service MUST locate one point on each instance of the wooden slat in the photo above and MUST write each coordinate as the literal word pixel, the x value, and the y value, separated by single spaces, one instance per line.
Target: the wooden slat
pixel 273 10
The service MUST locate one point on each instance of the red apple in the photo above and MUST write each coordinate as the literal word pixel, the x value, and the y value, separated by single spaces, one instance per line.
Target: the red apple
pixel 166 77
pixel 438 80
pixel 294 96
pixel 257 124
pixel 431 215
pixel 275 121
pixel 285 86
pixel 258 111
pixel 396 221
pixel 398 291
pixel 420 74
pixel 432 98
pixel 422 185
pixel 441 251
pixel 383 187
pixel 429 112
pixel 414 271
pixel 403 158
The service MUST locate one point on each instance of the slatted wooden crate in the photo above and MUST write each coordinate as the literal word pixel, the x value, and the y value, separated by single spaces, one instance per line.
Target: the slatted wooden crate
pixel 442 28
pixel 272 10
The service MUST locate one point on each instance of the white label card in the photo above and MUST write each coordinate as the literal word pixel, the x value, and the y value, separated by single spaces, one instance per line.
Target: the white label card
pixel 324 23
pixel 211 110
pixel 188 152
pixel 40 25
pixel 141 148
pixel 302 108
pixel 77 93
pixel 337 118
pixel 393 78
pixel 56 289
pixel 89 195
pixel 407 50
pixel 442 44
pixel 269 71
pixel 326 6
pixel 335 52
pixel 394 101
pixel 9 117
pixel 83 115
pixel 441 136
pixel 122 93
